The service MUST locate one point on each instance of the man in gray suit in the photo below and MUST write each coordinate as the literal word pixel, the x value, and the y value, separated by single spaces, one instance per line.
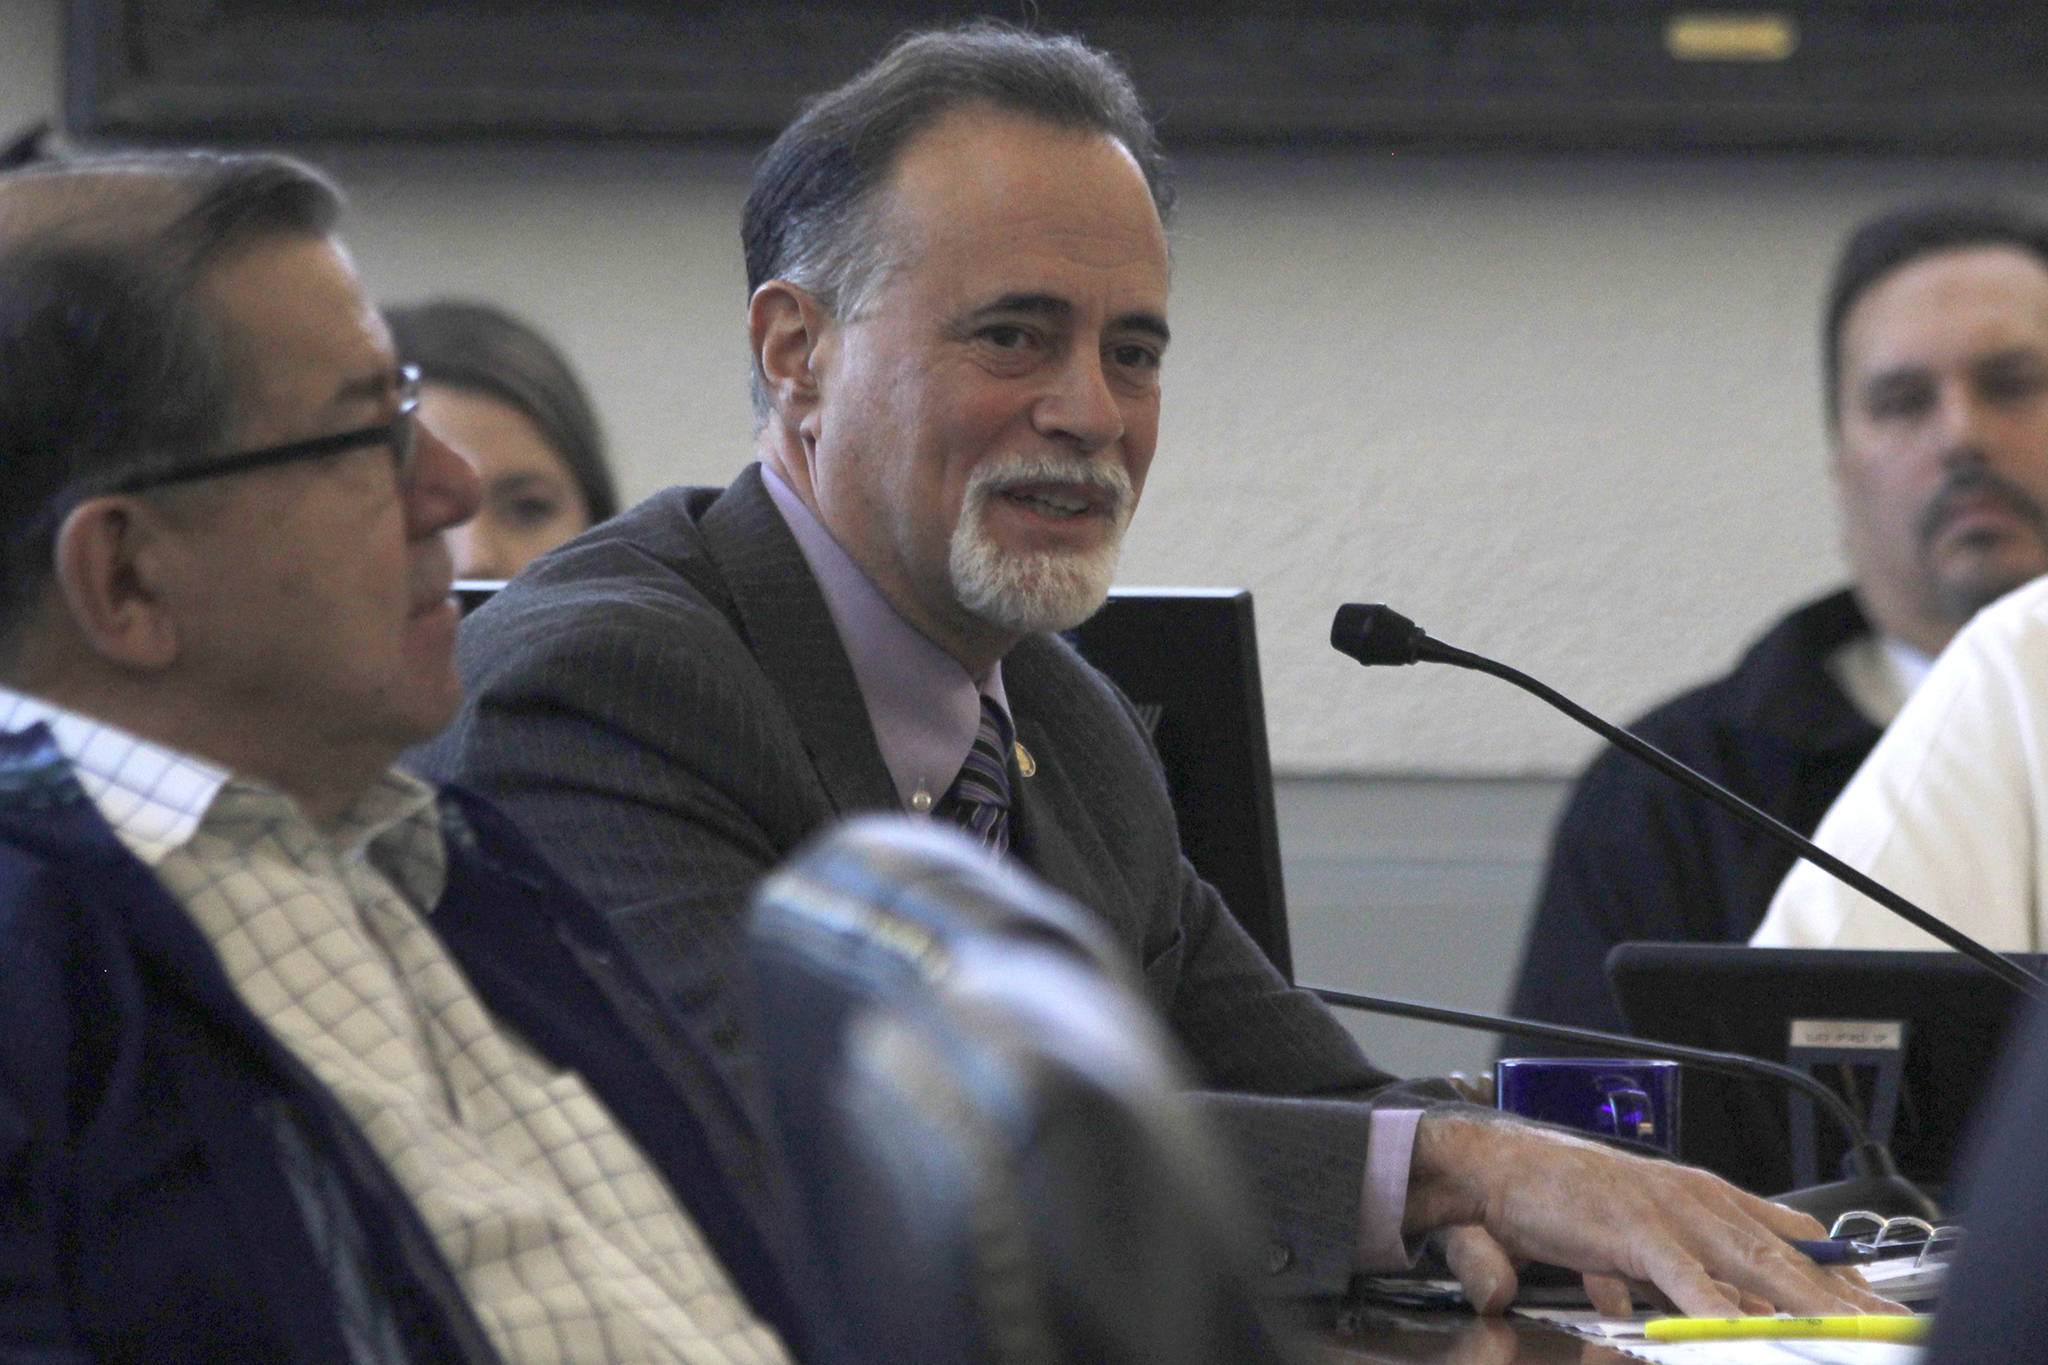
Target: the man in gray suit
pixel 958 276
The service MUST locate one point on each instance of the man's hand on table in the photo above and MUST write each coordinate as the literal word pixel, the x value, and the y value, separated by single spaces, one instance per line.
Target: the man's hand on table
pixel 1510 1192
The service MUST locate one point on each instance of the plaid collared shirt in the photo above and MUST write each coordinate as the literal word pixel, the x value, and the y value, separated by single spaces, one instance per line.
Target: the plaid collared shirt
pixel 568 1242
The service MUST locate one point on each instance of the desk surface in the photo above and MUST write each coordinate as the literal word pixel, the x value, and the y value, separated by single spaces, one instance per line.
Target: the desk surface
pixel 1405 1336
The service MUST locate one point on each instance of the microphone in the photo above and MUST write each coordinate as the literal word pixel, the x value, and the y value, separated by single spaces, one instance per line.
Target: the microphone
pixel 1377 634
pixel 1877 1187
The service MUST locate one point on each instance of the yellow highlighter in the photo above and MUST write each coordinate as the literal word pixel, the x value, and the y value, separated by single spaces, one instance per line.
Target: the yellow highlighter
pixel 1906 1327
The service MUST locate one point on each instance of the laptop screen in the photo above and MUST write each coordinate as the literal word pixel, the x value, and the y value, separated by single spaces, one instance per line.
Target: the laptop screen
pixel 1953 1019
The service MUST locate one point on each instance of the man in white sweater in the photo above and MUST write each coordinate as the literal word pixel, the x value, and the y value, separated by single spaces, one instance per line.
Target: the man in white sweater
pixel 1951 809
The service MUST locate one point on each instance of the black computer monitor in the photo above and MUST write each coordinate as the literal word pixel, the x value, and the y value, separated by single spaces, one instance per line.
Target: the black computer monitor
pixel 1189 659
pixel 1739 999
pixel 471 593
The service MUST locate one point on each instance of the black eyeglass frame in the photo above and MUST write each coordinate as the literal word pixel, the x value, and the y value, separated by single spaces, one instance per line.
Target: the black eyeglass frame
pixel 400 432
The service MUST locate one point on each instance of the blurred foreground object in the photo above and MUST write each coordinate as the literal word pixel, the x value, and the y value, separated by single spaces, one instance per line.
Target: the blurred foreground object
pixel 988 1128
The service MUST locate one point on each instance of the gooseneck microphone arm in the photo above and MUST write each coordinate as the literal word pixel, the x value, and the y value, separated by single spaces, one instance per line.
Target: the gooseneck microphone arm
pixel 1377 635
pixel 1727 1063
pixel 1876 1185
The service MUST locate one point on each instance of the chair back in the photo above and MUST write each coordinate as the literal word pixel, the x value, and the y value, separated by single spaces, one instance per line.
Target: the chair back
pixel 988 1129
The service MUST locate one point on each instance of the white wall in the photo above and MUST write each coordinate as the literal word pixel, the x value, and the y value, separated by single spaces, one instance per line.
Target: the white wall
pixel 1559 408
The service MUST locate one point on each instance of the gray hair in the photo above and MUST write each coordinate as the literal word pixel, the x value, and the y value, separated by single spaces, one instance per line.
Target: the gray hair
pixel 810 217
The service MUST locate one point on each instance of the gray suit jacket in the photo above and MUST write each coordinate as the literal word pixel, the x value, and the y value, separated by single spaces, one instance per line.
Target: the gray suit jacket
pixel 665 707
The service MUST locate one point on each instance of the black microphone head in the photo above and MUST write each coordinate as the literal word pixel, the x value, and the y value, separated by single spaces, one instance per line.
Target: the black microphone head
pixel 1374 633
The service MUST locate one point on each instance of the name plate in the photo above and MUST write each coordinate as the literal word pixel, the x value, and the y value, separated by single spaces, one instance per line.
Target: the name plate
pixel 1878 1035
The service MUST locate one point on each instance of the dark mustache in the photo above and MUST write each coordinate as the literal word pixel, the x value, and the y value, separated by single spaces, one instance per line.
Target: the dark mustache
pixel 1978 481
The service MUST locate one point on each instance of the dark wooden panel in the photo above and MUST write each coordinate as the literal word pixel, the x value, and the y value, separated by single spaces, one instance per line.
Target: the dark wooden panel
pixel 1887 74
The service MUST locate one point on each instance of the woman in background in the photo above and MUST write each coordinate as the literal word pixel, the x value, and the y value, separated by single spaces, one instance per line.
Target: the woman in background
pixel 499 392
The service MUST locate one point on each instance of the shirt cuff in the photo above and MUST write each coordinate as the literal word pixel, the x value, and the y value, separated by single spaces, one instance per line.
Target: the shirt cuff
pixel 1383 1196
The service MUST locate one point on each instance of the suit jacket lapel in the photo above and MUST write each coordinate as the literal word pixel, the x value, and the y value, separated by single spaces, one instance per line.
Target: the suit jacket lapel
pixel 787 626
pixel 1041 841
pixel 1039 837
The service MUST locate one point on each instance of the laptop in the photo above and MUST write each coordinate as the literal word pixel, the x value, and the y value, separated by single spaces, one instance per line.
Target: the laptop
pixel 1947 1016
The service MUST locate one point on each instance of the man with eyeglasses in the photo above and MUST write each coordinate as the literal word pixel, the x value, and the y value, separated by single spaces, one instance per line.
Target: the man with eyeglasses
pixel 302 1059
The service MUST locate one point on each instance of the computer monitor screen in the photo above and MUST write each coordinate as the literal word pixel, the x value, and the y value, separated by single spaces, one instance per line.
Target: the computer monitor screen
pixel 471 593
pixel 1740 999
pixel 1189 659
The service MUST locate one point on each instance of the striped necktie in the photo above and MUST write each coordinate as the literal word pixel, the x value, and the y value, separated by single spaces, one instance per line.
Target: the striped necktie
pixel 979 799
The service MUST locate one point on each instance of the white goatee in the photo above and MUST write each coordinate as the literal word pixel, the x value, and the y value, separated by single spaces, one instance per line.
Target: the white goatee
pixel 1041 590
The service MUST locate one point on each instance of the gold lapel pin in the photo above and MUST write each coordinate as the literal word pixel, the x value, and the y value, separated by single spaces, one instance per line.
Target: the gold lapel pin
pixel 1027 766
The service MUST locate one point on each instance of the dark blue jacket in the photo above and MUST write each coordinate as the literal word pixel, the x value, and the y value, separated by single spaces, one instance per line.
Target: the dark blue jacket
pixel 143 1212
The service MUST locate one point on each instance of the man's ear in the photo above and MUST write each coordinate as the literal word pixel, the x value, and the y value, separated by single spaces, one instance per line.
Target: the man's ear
pixel 785 324
pixel 109 561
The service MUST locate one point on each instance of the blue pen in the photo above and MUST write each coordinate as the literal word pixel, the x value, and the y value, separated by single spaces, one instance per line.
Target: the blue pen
pixel 1826 1251
pixel 1845 1251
